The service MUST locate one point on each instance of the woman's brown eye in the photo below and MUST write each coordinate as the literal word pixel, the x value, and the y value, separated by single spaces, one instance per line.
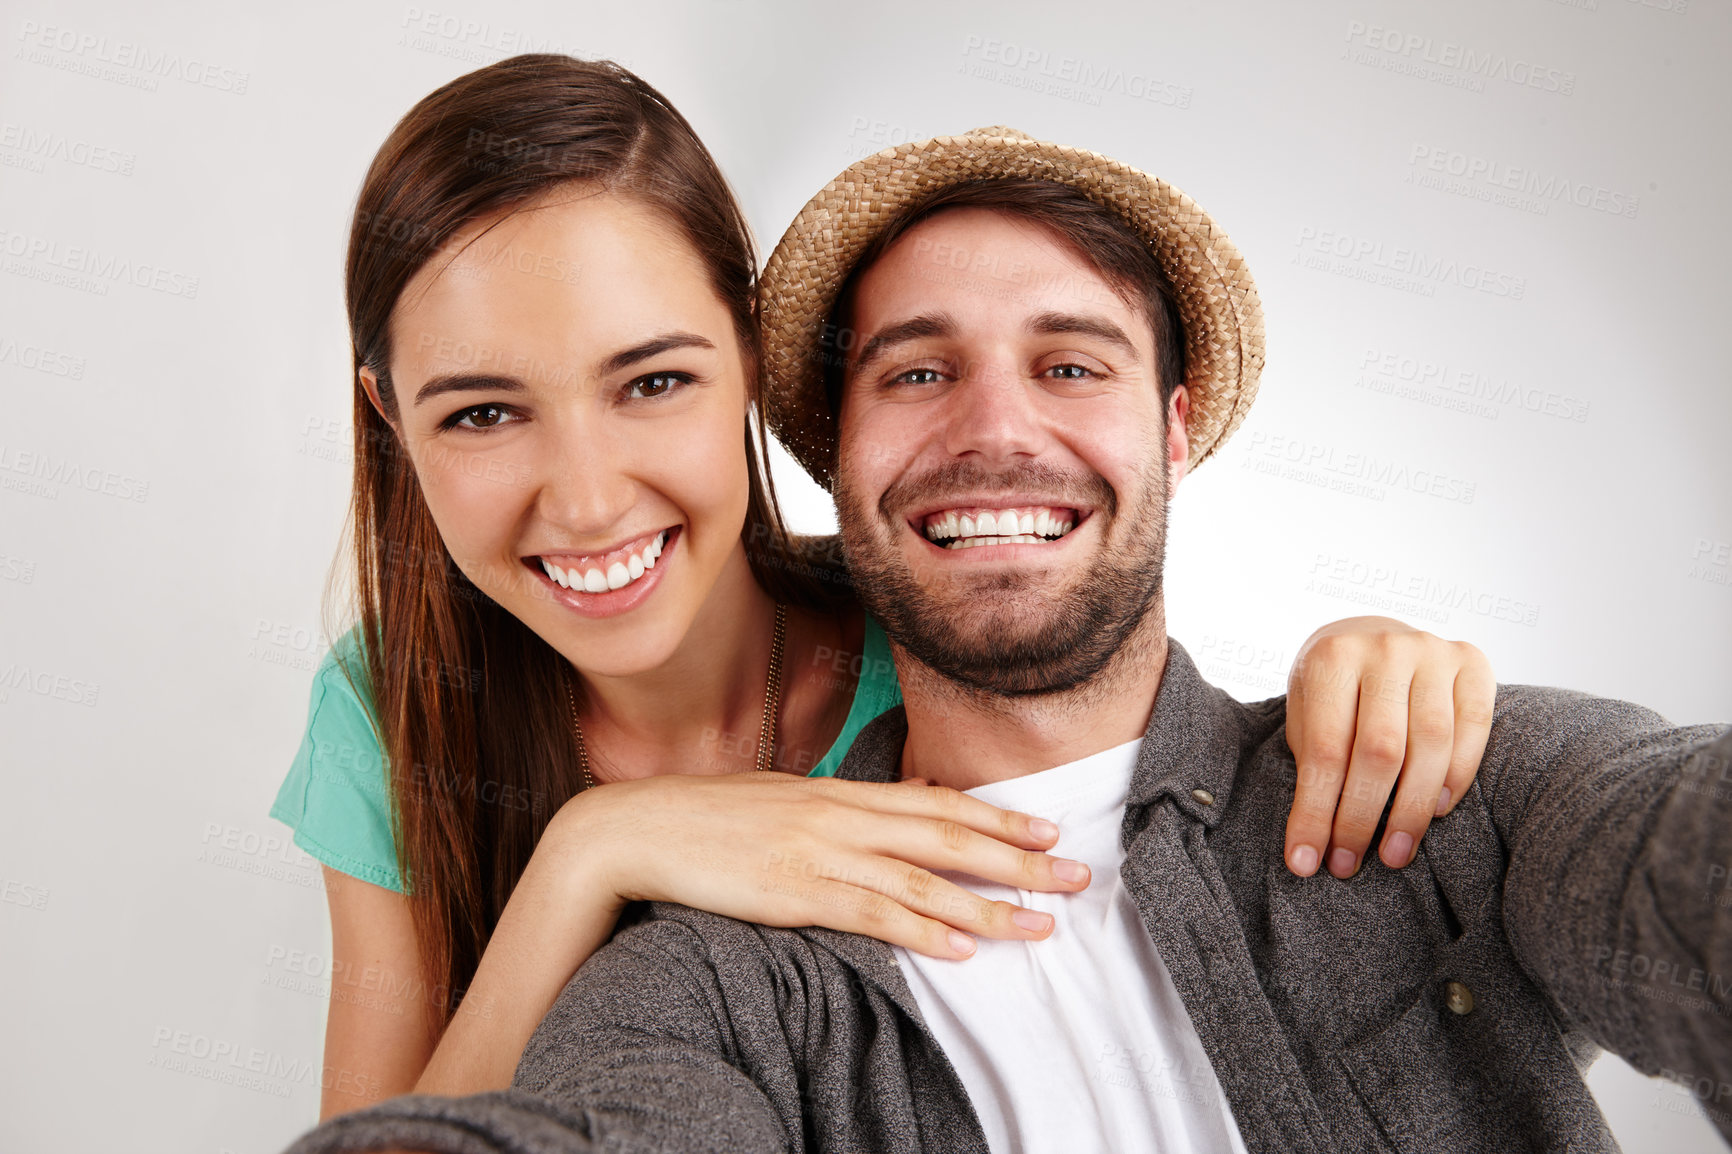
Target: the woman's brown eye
pixel 484 416
pixel 655 385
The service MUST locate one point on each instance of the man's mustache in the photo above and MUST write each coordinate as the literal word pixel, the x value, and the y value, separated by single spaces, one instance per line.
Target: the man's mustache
pixel 1080 488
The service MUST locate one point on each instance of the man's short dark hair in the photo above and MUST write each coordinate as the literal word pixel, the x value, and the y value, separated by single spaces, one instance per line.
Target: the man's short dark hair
pixel 1121 257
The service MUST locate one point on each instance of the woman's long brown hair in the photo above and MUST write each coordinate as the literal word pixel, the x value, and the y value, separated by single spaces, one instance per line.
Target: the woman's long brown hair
pixel 470 702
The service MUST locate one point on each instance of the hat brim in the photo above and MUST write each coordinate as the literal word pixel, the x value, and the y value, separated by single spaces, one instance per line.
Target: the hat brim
pixel 1217 300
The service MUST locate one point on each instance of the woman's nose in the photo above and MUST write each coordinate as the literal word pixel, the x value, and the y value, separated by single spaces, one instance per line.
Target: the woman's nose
pixel 585 485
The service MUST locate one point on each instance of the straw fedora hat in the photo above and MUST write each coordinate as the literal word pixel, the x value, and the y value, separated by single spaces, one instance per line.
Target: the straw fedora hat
pixel 1218 304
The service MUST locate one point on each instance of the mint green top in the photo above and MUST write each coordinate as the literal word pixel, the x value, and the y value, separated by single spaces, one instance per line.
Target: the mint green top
pixel 335 797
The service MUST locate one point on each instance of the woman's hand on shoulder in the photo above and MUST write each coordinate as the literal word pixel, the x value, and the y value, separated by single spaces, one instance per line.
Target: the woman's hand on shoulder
pixel 1374 705
pixel 793 851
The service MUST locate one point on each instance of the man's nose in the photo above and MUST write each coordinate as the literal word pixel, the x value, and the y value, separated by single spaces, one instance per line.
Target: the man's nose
pixel 993 412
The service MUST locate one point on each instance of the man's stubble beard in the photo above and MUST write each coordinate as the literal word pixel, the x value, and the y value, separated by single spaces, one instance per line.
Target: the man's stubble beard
pixel 988 638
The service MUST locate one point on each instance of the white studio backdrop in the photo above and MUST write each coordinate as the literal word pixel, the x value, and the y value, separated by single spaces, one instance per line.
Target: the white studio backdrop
pixel 1490 238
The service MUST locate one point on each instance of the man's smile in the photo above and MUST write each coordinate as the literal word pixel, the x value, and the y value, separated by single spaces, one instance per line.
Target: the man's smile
pixel 969 526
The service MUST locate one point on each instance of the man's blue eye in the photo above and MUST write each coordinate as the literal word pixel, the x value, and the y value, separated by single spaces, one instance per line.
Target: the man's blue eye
pixel 1070 372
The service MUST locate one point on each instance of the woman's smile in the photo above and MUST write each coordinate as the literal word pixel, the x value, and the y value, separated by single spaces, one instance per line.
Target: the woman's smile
pixel 602 584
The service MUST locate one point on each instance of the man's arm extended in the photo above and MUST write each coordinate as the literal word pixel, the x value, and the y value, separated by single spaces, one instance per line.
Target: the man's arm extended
pixel 631 1058
pixel 1620 838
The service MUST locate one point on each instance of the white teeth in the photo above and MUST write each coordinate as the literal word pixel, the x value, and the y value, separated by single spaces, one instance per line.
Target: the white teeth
pixel 1014 539
pixel 617 576
pixel 998 526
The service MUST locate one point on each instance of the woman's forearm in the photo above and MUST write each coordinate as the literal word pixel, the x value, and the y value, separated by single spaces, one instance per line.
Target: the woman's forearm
pixel 559 914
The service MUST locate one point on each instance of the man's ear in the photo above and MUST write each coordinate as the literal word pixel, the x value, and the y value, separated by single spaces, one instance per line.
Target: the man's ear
pixel 1178 436
pixel 370 382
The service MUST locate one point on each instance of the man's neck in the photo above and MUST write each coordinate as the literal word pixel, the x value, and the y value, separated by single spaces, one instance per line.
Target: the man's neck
pixel 964 737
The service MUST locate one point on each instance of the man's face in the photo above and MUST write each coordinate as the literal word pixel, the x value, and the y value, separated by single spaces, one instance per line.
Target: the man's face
pixel 1005 459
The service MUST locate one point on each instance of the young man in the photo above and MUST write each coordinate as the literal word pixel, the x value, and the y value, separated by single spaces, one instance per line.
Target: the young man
pixel 995 393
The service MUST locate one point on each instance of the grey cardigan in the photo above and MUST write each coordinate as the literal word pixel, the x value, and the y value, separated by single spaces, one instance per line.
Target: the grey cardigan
pixel 1451 1006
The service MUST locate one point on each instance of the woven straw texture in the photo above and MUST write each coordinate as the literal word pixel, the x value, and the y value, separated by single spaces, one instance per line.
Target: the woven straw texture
pixel 1218 303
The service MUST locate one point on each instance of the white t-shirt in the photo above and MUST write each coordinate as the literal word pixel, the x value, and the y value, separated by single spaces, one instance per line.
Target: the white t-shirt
pixel 1079 1042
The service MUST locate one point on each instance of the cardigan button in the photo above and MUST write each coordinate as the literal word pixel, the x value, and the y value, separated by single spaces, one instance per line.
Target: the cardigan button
pixel 1458 998
pixel 1203 796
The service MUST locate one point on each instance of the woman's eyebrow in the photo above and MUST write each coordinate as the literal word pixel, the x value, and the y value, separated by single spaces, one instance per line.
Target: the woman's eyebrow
pixel 466 383
pixel 655 346
pixel 500 383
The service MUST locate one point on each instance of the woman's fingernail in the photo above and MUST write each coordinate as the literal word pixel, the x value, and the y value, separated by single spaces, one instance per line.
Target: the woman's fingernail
pixel 1069 871
pixel 961 943
pixel 1041 828
pixel 1342 861
pixel 1033 921
pixel 1304 860
pixel 1398 851
pixel 1443 801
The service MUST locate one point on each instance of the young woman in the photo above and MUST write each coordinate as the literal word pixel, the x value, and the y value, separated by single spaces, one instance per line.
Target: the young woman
pixel 570 571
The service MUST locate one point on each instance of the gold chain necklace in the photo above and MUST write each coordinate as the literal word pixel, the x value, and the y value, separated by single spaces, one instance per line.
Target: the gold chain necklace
pixel 772 703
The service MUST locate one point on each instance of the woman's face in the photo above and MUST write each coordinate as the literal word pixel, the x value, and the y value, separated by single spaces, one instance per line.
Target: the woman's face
pixel 573 398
